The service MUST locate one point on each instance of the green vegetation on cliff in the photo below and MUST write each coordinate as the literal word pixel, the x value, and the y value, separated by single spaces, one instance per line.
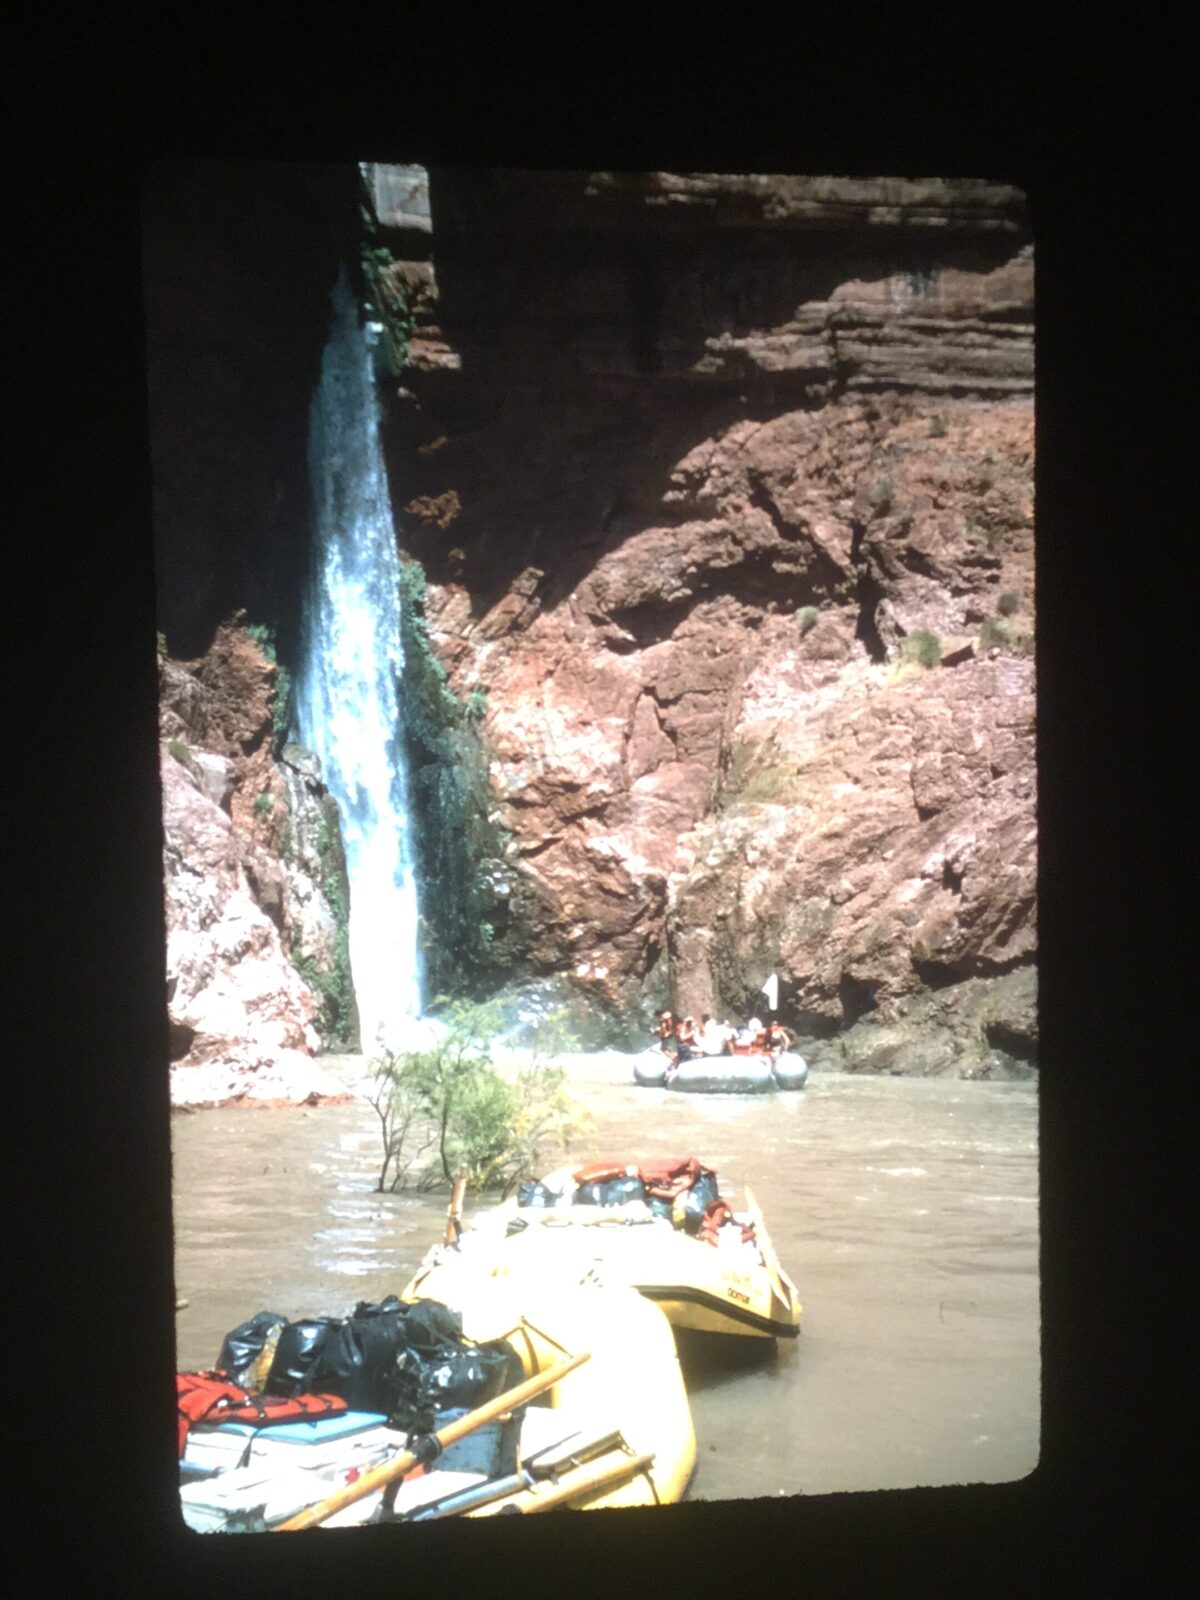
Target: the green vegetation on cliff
pixel 333 988
pixel 281 694
pixel 468 926
pixel 385 289
pixel 923 647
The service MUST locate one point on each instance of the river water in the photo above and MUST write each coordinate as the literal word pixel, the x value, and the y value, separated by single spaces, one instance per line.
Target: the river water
pixel 904 1209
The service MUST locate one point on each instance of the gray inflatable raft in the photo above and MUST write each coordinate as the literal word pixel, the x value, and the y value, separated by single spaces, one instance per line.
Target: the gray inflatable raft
pixel 721 1074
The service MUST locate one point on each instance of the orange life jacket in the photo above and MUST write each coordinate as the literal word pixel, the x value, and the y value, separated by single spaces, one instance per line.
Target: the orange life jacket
pixel 214 1397
pixel 718 1213
pixel 666 1179
pixel 604 1172
pixel 663 1179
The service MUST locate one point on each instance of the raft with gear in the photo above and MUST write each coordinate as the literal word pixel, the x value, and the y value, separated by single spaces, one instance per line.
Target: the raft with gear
pixel 752 1072
pixel 471 1397
pixel 661 1227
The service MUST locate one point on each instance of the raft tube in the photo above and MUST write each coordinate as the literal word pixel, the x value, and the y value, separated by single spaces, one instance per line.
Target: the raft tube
pixel 790 1070
pixel 650 1068
pixel 723 1075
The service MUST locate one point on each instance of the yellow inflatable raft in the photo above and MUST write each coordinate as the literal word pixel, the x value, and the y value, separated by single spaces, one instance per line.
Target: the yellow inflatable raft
pixel 735 1286
pixel 617 1431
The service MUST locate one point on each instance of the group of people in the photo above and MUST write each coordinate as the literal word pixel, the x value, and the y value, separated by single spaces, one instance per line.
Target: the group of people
pixel 680 1037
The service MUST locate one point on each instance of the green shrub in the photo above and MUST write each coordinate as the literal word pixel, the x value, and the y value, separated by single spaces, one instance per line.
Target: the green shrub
pixel 178 750
pixel 263 637
pixel 755 775
pixel 937 426
pixel 1009 603
pixel 281 708
pixel 476 705
pixel 807 617
pixel 390 301
pixel 923 647
pixel 263 805
pixel 768 785
pixel 447 1109
pixel 994 635
pixel 161 640
pixel 881 497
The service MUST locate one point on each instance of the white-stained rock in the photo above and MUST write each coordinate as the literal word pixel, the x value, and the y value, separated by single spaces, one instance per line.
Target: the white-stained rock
pixel 234 996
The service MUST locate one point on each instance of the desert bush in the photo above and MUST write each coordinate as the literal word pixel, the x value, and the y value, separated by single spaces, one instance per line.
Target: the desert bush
pixel 263 805
pixel 754 773
pixel 937 426
pixel 882 495
pixel 447 1109
pixel 994 635
pixel 768 784
pixel 178 750
pixel 1009 603
pixel 807 617
pixel 923 647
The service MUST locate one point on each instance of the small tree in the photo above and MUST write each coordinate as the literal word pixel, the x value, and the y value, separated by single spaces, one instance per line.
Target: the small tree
pixel 448 1108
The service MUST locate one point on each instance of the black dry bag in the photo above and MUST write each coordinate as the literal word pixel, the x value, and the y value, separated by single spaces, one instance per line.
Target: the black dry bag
pixel 246 1343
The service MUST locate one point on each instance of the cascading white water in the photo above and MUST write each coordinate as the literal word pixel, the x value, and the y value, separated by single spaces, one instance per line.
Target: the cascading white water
pixel 349 682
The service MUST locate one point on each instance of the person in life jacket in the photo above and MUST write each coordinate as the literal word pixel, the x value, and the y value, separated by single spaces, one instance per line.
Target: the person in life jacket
pixel 776 1038
pixel 713 1038
pixel 748 1038
pixel 664 1032
pixel 686 1040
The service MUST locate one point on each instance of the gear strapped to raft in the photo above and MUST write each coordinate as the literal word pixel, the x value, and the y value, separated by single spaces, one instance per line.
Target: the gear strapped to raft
pixel 408 1362
pixel 680 1189
pixel 213 1397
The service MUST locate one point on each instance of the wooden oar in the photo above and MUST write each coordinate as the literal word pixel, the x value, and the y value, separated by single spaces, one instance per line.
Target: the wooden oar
pixel 783 1286
pixel 377 1477
pixel 578 1483
pixel 454 1210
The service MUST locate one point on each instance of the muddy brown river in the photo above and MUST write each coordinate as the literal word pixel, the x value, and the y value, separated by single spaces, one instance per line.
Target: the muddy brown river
pixel 904 1209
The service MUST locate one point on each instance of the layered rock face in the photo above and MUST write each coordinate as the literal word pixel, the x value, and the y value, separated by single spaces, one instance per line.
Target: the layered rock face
pixel 244 884
pixel 724 491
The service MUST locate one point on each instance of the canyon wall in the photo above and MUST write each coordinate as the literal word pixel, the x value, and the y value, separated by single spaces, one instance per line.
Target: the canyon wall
pixel 724 491
pixel 254 886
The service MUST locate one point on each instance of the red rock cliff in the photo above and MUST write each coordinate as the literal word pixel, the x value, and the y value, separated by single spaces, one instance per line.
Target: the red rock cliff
pixel 724 487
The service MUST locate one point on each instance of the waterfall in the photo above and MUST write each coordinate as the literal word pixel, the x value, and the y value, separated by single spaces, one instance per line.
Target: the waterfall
pixel 349 682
